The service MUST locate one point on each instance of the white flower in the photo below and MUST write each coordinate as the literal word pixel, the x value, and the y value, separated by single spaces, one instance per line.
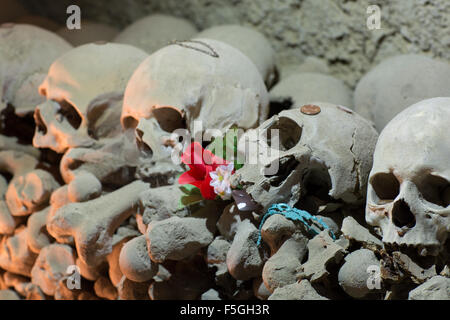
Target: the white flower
pixel 221 180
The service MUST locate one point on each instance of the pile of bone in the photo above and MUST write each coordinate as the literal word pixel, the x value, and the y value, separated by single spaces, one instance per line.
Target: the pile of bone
pixel 89 204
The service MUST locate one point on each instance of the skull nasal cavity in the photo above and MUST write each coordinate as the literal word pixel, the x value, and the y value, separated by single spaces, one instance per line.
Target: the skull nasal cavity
pixel 289 134
pixel 402 215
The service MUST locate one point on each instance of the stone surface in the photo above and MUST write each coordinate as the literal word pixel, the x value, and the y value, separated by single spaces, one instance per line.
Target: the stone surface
pixel 334 30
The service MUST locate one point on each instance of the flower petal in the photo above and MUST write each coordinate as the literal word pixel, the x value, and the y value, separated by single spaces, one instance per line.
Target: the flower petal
pixel 188 178
pixel 206 189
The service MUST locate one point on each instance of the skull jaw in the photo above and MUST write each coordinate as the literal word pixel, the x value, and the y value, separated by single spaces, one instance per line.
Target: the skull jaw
pixel 425 237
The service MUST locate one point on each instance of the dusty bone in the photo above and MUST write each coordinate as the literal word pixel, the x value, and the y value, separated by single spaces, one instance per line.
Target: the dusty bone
pixel 7 221
pixel 11 144
pixel 26 289
pixel 230 219
pixel 15 255
pixel 408 186
pixel 322 253
pixel 158 204
pixel 84 187
pixel 37 235
pixel 186 282
pixel 112 163
pixel 302 290
pixel 177 238
pixel 30 192
pixel 352 230
pixel 211 294
pixel 87 108
pixel 16 281
pixel 58 199
pixel 308 156
pixel 93 223
pixel 281 268
pixel 398 82
pixel 155 143
pixel 250 42
pixel 155 31
pixel 437 288
pixel 244 260
pixel 51 266
pixel 408 268
pixel 311 64
pixel 25 62
pixel 90 32
pixel 260 290
pixel 62 292
pixel 354 273
pixel 105 289
pixel 135 262
pixel 17 162
pixel 130 290
pixel 305 88
pixel 216 257
pixel 276 230
pixel 198 93
pixel 114 272
pixel 9 295
pixel 88 272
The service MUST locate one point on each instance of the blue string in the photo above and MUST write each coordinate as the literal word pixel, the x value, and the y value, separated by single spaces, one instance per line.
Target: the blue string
pixel 295 214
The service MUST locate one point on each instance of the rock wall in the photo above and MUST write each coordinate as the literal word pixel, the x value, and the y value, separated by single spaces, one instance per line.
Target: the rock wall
pixel 334 30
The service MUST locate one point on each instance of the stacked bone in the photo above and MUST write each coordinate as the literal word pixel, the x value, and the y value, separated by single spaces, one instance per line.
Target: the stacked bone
pixel 91 212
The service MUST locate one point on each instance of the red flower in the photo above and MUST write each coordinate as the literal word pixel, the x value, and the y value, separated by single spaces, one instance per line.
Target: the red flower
pixel 201 162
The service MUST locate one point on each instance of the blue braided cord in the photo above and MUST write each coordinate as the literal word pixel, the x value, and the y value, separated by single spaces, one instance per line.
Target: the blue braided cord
pixel 294 214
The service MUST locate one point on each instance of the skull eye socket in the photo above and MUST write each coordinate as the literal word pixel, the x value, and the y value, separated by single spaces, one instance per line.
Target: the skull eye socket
pixel 69 112
pixel 169 118
pixel 435 189
pixel 385 186
pixel 289 134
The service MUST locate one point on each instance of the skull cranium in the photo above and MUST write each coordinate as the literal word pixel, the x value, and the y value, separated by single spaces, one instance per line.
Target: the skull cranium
pixel 198 80
pixel 324 156
pixel 84 90
pixel 409 186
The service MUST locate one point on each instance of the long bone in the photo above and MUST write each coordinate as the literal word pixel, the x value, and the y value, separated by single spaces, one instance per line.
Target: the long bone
pixel 93 223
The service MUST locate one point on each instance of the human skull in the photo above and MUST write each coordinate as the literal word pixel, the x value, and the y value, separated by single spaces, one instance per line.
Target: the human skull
pixel 26 53
pixel 155 31
pixel 250 42
pixel 324 156
pixel 84 90
pixel 409 186
pixel 199 80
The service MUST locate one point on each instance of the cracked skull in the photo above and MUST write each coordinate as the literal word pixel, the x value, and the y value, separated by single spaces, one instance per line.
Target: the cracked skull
pixel 188 81
pixel 324 155
pixel 409 185
pixel 84 90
